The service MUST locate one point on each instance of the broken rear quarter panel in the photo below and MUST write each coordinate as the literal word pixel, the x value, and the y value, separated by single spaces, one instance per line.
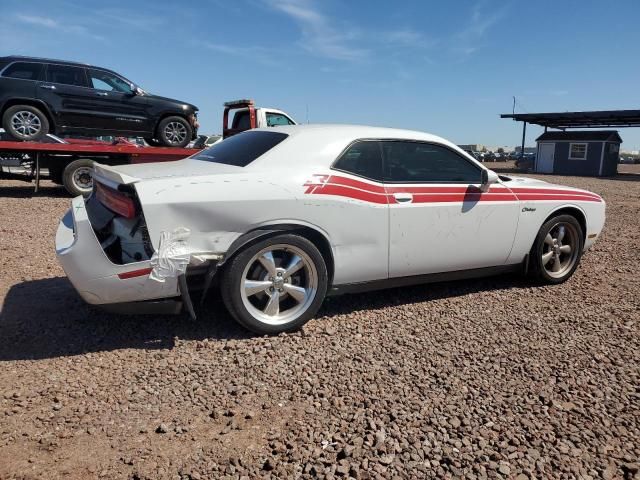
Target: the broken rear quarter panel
pixel 217 210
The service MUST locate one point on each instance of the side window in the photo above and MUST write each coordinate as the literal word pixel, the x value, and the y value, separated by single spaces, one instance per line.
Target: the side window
pixel 363 159
pixel 406 162
pixel 274 119
pixel 24 71
pixel 67 75
pixel 101 80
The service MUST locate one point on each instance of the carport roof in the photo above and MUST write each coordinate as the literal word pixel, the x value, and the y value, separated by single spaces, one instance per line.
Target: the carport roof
pixel 581 136
pixel 594 119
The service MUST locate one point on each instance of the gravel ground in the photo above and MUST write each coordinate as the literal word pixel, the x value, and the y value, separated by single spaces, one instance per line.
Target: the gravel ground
pixel 487 378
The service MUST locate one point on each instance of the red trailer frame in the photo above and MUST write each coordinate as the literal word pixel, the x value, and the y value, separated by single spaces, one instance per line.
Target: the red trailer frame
pixel 57 157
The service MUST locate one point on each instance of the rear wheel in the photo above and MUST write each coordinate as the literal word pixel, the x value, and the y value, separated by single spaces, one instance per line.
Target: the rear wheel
pixel 77 177
pixel 557 250
pixel 24 122
pixel 174 132
pixel 275 285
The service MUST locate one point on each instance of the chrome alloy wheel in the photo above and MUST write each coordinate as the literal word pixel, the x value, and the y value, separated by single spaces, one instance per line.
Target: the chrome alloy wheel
pixel 175 132
pixel 82 179
pixel 279 284
pixel 26 123
pixel 560 249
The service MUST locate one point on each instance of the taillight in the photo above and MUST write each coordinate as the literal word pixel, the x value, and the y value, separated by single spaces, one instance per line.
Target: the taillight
pixel 116 201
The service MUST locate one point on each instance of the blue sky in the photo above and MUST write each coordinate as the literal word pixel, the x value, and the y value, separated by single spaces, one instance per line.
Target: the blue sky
pixel 446 67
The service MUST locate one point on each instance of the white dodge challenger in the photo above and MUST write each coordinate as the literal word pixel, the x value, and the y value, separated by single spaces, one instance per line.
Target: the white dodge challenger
pixel 277 219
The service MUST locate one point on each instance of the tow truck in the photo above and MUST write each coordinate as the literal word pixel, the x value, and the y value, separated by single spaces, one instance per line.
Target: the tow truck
pixel 247 116
pixel 69 162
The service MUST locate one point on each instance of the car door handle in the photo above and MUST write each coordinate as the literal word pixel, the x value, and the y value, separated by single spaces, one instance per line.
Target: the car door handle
pixel 403 197
pixel 48 87
pixel 102 94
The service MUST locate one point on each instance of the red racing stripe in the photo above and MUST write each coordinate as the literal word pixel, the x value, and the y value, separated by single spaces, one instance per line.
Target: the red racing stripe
pixel 376 193
pixel 578 198
pixel 349 182
pixel 459 197
pixel 555 191
pixel 349 192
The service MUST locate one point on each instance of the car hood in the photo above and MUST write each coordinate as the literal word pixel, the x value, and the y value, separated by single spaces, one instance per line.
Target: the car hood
pixel 134 173
pixel 179 103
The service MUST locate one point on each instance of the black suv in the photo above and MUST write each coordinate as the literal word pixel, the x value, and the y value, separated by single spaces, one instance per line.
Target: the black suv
pixel 40 96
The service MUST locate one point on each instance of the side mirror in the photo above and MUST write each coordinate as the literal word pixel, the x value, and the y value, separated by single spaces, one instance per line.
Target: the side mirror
pixel 488 177
pixel 135 90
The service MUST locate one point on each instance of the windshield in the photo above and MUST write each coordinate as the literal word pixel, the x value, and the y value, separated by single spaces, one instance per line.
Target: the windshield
pixel 241 149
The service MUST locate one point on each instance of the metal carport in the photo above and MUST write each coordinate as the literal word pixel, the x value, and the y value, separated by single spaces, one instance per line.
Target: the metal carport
pixel 564 120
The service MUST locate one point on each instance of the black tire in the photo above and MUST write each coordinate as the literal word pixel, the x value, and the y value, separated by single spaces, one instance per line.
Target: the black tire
pixel 152 142
pixel 74 177
pixel 180 128
pixel 30 118
pixel 541 246
pixel 231 284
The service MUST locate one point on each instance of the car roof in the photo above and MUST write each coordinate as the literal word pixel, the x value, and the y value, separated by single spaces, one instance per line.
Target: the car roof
pixel 356 132
pixel 323 143
pixel 20 58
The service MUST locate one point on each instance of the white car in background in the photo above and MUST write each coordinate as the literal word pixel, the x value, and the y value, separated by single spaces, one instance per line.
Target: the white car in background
pixel 279 218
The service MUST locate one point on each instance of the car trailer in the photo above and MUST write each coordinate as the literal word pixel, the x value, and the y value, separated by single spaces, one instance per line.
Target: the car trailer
pixel 70 163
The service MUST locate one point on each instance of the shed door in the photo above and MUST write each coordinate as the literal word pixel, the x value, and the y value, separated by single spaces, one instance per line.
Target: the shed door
pixel 546 153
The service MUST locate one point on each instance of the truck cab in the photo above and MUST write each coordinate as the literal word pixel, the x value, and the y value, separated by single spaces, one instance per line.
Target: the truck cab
pixel 247 116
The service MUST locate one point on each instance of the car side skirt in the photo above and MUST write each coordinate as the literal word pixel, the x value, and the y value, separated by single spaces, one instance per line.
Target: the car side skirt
pixel 428 278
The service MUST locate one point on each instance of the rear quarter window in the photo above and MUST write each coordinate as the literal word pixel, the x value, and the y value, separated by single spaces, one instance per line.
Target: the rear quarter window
pixel 241 149
pixel 24 71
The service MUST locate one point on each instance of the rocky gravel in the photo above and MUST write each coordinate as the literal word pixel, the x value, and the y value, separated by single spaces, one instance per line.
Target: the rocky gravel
pixel 490 378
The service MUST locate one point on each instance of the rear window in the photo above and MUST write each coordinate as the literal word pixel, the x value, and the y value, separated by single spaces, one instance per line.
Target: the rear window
pixel 242 149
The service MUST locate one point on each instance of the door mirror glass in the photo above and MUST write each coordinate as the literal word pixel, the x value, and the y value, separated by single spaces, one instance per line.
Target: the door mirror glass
pixel 488 177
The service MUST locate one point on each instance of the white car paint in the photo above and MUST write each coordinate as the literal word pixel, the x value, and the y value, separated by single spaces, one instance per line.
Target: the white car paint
pixel 372 235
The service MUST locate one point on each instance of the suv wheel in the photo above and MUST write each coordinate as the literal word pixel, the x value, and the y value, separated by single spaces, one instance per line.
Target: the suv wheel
pixel 24 122
pixel 174 132
pixel 275 285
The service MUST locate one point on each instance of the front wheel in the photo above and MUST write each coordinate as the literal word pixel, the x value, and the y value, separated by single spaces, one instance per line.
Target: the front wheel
pixel 77 177
pixel 557 250
pixel 275 285
pixel 174 132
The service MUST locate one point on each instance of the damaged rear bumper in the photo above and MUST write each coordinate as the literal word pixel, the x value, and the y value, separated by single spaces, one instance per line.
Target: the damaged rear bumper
pixel 132 287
